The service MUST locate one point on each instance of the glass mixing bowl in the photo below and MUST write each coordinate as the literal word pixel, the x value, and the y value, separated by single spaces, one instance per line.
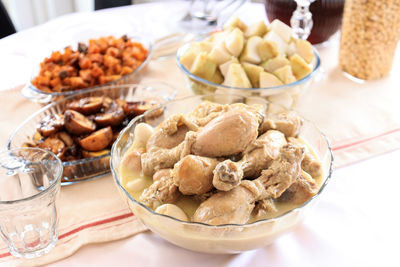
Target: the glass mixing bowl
pixel 232 238
pixel 286 95
pixel 93 167
pixel 31 92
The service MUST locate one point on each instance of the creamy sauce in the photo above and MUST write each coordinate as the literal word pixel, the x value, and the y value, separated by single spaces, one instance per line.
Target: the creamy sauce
pixel 189 204
pixel 318 179
pixel 128 176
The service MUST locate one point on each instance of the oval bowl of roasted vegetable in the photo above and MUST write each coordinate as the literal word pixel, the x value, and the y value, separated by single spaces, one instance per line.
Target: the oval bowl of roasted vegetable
pixel 255 59
pixel 221 173
pixel 107 60
pixel 81 129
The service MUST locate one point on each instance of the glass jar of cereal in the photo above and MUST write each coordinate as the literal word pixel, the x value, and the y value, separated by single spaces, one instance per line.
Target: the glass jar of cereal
pixel 370 31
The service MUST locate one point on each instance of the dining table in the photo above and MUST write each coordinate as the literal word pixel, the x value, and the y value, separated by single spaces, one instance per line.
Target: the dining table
pixel 354 222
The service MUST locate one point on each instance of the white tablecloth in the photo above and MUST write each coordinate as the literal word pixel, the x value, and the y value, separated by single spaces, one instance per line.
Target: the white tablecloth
pixel 355 222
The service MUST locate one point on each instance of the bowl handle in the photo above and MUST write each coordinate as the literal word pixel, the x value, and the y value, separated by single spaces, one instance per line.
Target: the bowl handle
pixel 34 96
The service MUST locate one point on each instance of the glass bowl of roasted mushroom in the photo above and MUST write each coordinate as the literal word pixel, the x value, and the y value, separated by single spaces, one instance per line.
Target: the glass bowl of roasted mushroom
pixel 81 129
pixel 251 60
pixel 221 173
pixel 107 60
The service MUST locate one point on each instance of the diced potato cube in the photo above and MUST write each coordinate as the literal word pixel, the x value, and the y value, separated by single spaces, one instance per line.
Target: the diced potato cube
pixel 291 49
pixel 268 80
pixel 205 46
pixel 250 51
pixel 253 72
pixel 217 37
pixel 283 30
pixel 274 37
pixel 285 74
pixel 235 22
pixel 299 66
pixel 219 54
pixel 292 39
pixel 187 59
pixel 224 67
pixel 234 42
pixel 236 76
pixel 198 47
pixel 203 66
pixel 217 77
pixel 258 29
pixel 275 63
pixel 193 50
pixel 304 49
pixel 267 49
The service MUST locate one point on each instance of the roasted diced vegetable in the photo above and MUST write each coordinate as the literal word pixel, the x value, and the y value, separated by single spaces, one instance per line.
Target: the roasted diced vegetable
pixel 104 60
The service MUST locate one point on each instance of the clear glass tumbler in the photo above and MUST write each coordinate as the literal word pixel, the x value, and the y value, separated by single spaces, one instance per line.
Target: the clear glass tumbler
pixel 29 189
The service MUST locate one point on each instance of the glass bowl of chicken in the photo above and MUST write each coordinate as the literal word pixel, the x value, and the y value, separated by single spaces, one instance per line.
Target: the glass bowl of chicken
pixel 221 173
pixel 252 60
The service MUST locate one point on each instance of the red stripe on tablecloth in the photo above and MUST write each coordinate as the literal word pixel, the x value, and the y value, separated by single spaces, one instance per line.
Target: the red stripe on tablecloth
pixel 108 220
pixel 364 140
pixel 85 226
pixel 115 225
pixel 100 229
pixel 5 255
pixel 71 226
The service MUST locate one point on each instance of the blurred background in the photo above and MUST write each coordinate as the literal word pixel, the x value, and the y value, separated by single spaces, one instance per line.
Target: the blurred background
pixel 24 14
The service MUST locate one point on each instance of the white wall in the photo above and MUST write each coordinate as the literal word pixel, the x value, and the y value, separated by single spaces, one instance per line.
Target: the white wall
pixel 28 13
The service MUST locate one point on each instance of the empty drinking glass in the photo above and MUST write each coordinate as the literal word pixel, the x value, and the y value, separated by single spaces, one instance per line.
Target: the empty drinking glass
pixel 29 189
pixel 205 16
pixel 201 18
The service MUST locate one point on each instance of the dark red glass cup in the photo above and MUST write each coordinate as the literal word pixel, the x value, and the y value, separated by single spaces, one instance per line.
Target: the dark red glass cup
pixel 326 15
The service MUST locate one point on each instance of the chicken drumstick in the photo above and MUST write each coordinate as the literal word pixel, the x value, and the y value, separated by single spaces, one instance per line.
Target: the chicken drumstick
pixel 235 206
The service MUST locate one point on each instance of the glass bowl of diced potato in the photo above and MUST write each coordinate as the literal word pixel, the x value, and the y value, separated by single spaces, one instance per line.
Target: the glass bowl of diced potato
pixel 251 60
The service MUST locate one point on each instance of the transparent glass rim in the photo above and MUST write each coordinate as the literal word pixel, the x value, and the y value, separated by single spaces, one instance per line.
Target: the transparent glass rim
pixel 56 182
pixel 115 174
pixel 108 87
pixel 149 47
pixel 284 86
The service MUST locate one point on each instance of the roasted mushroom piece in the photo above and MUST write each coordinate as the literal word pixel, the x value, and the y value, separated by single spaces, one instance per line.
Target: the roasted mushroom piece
pixel 87 105
pixel 50 125
pixel 113 116
pixel 107 102
pixel 77 124
pixel 66 138
pixel 91 154
pixel 53 144
pixel 97 140
pixel 135 108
